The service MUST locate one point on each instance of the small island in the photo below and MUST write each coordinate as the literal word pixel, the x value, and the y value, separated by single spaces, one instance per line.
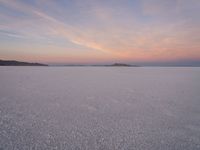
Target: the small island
pixel 18 63
pixel 122 65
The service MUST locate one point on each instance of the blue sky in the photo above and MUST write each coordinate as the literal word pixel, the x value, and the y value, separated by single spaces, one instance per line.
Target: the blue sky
pixel 100 31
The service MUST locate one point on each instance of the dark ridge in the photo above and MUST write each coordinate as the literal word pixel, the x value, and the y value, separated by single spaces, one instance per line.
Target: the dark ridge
pixel 18 63
pixel 122 65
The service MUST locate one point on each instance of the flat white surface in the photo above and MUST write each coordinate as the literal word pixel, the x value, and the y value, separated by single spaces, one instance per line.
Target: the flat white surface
pixel 99 108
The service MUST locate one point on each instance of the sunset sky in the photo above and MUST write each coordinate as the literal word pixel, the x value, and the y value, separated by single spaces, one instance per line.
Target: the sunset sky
pixel 100 31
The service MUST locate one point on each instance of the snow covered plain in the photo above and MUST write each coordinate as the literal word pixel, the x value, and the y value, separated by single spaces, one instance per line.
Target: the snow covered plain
pixel 99 108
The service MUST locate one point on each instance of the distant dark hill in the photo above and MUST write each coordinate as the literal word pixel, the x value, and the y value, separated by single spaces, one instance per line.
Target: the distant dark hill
pixel 18 63
pixel 122 65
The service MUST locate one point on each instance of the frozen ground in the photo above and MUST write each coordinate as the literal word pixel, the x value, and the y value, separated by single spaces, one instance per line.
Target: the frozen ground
pixel 99 108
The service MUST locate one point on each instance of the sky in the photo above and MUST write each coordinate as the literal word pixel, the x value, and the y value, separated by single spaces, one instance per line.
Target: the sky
pixel 100 31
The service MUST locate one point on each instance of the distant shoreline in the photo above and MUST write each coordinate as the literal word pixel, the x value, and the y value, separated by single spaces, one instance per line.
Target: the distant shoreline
pixel 22 63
